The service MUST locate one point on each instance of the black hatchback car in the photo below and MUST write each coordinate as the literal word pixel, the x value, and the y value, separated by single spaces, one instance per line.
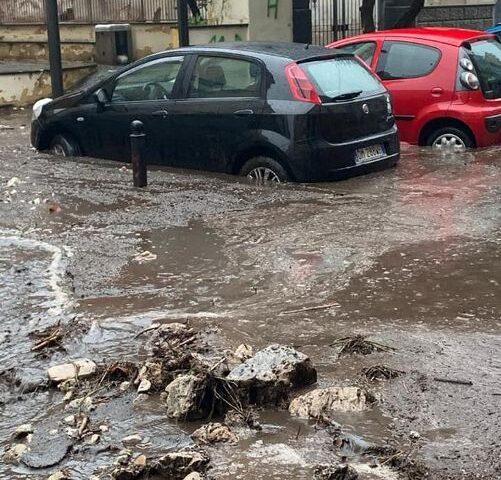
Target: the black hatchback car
pixel 269 111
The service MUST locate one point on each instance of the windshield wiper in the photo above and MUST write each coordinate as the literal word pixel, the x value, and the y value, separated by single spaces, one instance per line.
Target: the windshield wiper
pixel 346 96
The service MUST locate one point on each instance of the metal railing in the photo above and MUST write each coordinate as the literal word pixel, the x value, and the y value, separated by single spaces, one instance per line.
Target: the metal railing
pixel 335 19
pixel 93 11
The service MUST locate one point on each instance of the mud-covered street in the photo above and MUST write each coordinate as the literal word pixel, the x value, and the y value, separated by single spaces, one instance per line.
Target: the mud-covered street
pixel 409 258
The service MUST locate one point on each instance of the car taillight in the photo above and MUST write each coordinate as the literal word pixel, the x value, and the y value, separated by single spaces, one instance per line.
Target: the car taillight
pixel 301 87
pixel 470 80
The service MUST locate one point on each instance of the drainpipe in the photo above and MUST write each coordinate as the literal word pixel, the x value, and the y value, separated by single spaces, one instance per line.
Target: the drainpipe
pixel 54 41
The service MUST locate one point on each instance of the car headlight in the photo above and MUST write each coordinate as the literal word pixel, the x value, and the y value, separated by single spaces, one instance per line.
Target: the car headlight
pixel 38 107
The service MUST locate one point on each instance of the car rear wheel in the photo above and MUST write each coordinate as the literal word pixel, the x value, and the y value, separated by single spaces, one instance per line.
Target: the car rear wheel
pixel 64 146
pixel 264 171
pixel 450 139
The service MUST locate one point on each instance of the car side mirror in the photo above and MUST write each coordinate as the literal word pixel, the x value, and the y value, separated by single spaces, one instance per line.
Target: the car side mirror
pixel 101 98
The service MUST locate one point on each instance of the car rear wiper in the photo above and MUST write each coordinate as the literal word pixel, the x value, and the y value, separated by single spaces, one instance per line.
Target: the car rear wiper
pixel 345 96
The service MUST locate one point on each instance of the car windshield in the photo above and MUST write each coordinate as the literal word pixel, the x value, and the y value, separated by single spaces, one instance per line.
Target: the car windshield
pixel 341 78
pixel 486 56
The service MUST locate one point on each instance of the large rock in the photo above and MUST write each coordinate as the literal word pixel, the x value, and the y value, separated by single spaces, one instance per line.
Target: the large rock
pixel 178 465
pixel 185 397
pixel 267 377
pixel 214 433
pixel 323 403
pixel 77 369
pixel 336 472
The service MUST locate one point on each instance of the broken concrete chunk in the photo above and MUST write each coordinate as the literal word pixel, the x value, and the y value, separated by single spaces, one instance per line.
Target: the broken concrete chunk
pixel 14 454
pixel 46 450
pixel 184 397
pixel 144 386
pixel 77 369
pixel 177 465
pixel 243 352
pixel 62 475
pixel 214 433
pixel 194 476
pixel 23 431
pixel 323 403
pixel 336 472
pixel 271 373
pixel 132 440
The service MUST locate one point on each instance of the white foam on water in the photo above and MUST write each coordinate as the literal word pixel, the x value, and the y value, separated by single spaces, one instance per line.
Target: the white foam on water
pixel 60 300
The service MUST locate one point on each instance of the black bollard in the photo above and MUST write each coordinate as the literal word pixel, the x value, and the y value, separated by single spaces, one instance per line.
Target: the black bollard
pixel 137 141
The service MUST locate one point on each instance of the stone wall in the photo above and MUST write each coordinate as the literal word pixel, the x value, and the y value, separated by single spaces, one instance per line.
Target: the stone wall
pixel 477 17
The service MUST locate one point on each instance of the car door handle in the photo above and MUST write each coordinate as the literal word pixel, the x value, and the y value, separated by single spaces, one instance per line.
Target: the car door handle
pixel 437 91
pixel 244 112
pixel 161 113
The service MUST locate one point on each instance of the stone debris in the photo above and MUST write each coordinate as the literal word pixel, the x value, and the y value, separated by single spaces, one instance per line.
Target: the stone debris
pixel 23 431
pixel 184 397
pixel 93 439
pixel 243 353
pixel 268 376
pixel 323 403
pixel 70 420
pixel 77 369
pixel 46 450
pixel 61 475
pixel 336 472
pixel 132 440
pixel 13 454
pixel 214 433
pixel 194 476
pixel 174 466
pixel 144 386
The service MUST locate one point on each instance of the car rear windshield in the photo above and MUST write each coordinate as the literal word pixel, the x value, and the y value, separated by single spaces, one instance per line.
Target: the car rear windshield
pixel 486 56
pixel 338 77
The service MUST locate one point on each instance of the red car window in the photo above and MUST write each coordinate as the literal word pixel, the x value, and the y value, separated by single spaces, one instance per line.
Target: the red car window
pixel 406 60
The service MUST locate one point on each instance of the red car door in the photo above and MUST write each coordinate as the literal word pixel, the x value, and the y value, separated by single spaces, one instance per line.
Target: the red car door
pixel 417 77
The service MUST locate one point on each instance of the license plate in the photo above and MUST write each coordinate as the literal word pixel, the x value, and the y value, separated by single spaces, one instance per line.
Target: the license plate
pixel 369 154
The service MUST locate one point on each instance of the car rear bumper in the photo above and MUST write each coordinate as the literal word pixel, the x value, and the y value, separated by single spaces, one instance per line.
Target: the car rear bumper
pixel 327 161
pixel 35 134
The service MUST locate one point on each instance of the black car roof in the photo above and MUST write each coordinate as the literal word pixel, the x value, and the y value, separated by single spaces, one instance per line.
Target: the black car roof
pixel 291 51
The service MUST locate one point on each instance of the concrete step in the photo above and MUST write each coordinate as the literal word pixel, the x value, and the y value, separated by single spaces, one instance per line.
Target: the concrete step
pixel 23 83
pixel 35 50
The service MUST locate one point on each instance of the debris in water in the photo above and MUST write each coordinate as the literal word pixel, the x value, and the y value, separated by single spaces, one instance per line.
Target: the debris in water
pixel 145 257
pixel 270 374
pixel 323 403
pixel 51 337
pixel 214 433
pixel 23 431
pixel 13 454
pixel 80 368
pixel 380 372
pixel 359 344
pixel 336 472
pixel 46 450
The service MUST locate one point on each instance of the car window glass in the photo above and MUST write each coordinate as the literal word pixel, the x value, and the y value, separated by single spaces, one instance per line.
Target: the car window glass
pixel 364 50
pixel 217 77
pixel 340 76
pixel 153 81
pixel 486 56
pixel 407 60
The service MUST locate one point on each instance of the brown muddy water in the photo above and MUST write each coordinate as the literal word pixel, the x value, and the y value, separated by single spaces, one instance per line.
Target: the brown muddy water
pixel 410 257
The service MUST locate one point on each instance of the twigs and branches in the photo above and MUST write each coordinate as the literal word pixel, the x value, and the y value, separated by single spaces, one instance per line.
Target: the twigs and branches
pixel 359 344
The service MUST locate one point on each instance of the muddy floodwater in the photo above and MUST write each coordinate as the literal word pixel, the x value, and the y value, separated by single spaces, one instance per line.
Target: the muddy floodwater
pixel 409 257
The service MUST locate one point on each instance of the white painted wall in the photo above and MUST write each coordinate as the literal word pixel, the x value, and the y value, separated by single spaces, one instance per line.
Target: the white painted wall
pixel 270 20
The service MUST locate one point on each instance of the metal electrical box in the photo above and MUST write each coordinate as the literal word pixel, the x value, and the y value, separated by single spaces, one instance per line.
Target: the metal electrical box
pixel 390 11
pixel 113 44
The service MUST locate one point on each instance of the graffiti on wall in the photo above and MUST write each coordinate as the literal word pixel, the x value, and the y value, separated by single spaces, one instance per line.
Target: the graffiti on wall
pixel 273 8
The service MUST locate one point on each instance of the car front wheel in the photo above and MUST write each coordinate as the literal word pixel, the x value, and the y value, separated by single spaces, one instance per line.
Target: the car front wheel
pixel 64 146
pixel 450 139
pixel 264 171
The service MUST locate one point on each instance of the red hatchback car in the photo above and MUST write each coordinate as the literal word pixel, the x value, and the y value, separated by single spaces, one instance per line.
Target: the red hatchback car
pixel 445 83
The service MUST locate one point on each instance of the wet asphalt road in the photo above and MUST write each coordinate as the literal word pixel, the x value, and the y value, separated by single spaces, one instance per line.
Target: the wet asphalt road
pixel 409 256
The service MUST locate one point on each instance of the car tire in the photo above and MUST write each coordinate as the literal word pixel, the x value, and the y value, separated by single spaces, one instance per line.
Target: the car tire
pixel 64 146
pixel 451 139
pixel 264 171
